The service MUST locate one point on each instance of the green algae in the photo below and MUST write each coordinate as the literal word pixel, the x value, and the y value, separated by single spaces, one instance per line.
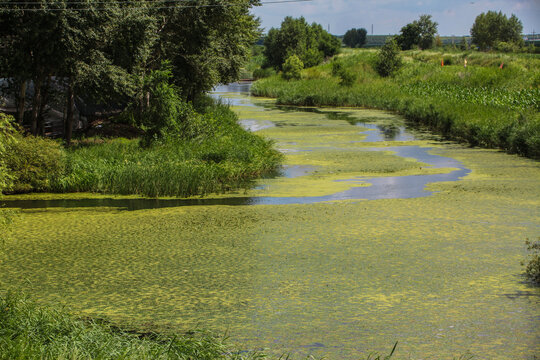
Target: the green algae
pixel 439 274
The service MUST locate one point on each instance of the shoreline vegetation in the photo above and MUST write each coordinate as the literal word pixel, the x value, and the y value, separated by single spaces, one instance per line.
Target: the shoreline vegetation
pixel 219 156
pixel 492 102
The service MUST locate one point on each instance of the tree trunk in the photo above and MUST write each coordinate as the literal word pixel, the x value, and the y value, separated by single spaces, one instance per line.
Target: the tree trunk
pixel 22 99
pixel 36 105
pixel 44 101
pixel 68 125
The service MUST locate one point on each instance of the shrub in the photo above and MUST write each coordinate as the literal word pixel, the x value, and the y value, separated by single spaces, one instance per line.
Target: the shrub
pixel 292 68
pixel 32 162
pixel 532 269
pixel 7 138
pixel 388 60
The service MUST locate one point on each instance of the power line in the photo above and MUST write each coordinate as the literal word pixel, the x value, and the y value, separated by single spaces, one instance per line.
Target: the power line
pixel 135 7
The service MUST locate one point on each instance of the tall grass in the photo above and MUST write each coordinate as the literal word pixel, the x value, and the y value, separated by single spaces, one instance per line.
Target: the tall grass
pixel 480 104
pixel 30 331
pixel 212 155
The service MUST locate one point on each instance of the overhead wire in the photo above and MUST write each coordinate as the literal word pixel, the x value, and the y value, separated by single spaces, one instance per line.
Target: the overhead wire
pixel 175 6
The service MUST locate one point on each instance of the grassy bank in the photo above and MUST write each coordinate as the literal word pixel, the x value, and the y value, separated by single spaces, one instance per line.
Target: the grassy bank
pixel 218 156
pixel 480 104
pixel 30 331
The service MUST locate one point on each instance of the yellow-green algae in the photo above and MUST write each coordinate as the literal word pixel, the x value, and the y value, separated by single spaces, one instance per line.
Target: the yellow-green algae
pixel 439 274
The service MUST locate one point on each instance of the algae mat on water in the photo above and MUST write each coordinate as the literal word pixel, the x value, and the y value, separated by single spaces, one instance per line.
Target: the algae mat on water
pixel 440 274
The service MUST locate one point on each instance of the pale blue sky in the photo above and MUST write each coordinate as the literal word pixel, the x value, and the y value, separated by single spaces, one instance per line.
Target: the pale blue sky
pixel 455 17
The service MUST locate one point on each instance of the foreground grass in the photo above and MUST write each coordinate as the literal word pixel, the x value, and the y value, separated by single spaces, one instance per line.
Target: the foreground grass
pixel 480 104
pixel 30 331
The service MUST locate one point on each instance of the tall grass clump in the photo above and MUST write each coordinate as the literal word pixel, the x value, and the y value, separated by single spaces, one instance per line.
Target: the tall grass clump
pixel 213 155
pixel 481 104
pixel 31 331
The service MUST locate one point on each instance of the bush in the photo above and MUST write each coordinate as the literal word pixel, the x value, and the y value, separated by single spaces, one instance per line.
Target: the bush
pixel 32 162
pixel 532 269
pixel 292 68
pixel 388 60
pixel 347 76
pixel 7 138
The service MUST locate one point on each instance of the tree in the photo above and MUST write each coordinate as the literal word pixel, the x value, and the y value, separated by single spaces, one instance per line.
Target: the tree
pixel 388 59
pixel 310 43
pixel 492 27
pixel 355 37
pixel 104 50
pixel 420 32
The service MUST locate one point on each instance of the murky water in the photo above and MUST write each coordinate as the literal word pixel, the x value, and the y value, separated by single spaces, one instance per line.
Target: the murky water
pixel 372 234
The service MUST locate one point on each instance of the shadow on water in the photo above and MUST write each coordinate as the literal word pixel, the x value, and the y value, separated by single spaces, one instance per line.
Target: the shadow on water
pixel 393 187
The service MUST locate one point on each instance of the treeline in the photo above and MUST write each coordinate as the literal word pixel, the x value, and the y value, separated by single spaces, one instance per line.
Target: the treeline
pixel 108 52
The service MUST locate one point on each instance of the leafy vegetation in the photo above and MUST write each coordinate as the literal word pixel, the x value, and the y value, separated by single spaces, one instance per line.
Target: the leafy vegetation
pixel 480 104
pixel 102 51
pixel 532 267
pixel 310 43
pixel 389 60
pixel 419 33
pixel 494 29
pixel 31 331
pixel 355 37
pixel 292 68
pixel 212 153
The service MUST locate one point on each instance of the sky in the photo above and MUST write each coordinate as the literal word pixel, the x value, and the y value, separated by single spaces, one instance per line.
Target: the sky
pixel 455 17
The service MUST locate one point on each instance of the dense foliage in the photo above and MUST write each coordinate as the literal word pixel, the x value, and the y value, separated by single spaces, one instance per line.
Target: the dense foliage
pixel 310 43
pixel 491 28
pixel 482 104
pixel 217 156
pixel 420 33
pixel 355 37
pixel 292 68
pixel 103 51
pixel 532 267
pixel 388 60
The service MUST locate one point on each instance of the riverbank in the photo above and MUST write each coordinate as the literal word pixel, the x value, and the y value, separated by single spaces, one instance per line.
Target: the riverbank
pixel 481 104
pixel 440 273
pixel 217 155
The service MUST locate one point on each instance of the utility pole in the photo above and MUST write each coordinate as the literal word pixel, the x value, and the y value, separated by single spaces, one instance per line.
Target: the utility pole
pixel 372 29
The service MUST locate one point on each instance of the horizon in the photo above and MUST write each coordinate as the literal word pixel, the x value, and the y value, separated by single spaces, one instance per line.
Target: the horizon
pixel 389 16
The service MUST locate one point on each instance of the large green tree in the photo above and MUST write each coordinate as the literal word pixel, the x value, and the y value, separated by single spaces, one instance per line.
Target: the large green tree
pixel 104 51
pixel 419 33
pixel 355 37
pixel 492 27
pixel 310 43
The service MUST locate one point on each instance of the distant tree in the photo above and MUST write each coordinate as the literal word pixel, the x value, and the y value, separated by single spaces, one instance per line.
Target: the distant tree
pixel 420 32
pixel 492 27
pixel 355 37
pixel 310 43
pixel 388 59
pixel 409 36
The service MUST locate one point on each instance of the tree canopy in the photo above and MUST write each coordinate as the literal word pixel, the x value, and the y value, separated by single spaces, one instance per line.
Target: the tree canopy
pixel 419 33
pixel 491 28
pixel 355 37
pixel 104 50
pixel 310 43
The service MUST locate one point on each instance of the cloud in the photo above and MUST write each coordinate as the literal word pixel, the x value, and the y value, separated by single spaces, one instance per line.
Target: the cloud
pixel 388 16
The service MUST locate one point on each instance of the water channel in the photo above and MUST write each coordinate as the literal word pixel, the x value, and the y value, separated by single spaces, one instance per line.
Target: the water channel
pixel 374 232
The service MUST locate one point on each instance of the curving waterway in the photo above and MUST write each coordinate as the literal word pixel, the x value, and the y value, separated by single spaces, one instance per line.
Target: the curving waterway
pixel 373 233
